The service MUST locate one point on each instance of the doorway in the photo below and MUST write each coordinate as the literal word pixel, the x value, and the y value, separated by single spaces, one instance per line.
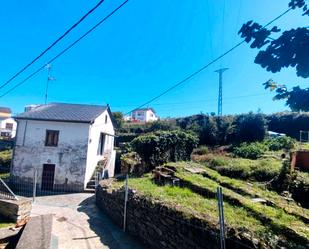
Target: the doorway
pixel 48 177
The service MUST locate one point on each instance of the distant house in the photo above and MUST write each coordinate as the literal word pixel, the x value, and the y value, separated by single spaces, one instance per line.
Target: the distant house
pixel 7 123
pixel 144 115
pixel 63 143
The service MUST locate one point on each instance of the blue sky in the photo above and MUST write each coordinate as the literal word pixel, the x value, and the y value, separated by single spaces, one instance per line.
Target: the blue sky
pixel 142 50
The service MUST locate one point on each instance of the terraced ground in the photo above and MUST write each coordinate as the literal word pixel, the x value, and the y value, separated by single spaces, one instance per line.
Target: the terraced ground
pixel 264 217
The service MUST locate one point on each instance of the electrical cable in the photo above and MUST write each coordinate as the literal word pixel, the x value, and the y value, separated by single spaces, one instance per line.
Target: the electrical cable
pixel 204 67
pixel 65 50
pixel 53 44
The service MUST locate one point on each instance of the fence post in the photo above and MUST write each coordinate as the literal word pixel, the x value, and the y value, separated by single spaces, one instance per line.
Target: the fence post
pixel 125 203
pixel 221 217
pixel 34 185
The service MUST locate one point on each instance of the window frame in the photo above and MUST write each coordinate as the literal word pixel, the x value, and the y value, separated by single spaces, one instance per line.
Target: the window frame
pixel 11 126
pixel 55 133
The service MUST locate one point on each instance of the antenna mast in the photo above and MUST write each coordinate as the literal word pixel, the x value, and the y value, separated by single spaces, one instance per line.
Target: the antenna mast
pixel 49 78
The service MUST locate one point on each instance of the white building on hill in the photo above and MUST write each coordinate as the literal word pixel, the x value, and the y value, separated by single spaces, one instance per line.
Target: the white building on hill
pixel 144 115
pixel 64 143
pixel 7 123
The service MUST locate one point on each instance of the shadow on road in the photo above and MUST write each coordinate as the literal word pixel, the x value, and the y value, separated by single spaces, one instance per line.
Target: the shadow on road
pixel 110 234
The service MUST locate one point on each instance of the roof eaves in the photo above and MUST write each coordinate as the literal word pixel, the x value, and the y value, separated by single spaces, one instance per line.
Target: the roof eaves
pixel 53 120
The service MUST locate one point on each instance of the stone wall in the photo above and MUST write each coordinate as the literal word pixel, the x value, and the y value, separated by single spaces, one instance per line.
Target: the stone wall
pixel 154 223
pixel 15 210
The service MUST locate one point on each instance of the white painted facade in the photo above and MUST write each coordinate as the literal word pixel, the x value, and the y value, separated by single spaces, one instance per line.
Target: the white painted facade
pixel 75 157
pixel 144 115
pixel 8 126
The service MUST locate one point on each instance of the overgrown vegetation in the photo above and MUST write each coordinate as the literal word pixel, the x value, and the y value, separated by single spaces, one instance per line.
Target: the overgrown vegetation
pixel 250 150
pixel 263 169
pixel 164 146
pixel 5 160
pixel 275 222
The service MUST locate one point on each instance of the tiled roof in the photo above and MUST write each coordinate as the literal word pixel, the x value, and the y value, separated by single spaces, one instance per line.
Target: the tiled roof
pixel 5 109
pixel 145 109
pixel 64 112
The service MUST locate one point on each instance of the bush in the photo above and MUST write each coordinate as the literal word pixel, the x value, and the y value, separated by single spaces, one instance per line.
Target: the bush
pixel 5 160
pixel 250 127
pixel 131 163
pixel 289 123
pixel 160 147
pixel 251 150
pixel 202 150
pixel 281 143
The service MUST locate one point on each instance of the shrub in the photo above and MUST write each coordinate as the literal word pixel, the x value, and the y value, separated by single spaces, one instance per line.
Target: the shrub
pixel 289 123
pixel 131 163
pixel 160 147
pixel 250 127
pixel 202 150
pixel 250 150
pixel 5 160
pixel 281 143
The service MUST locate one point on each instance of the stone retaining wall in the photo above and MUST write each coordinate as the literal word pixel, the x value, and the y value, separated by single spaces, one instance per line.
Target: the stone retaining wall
pixel 15 210
pixel 155 224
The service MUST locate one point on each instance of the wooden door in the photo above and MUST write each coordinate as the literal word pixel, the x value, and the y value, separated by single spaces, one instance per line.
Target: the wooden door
pixel 48 177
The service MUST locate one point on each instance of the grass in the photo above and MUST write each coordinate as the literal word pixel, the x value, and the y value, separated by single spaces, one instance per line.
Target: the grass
pixel 4 175
pixel 277 220
pixel 5 223
pixel 191 203
pixel 263 169
pixel 277 216
pixel 253 190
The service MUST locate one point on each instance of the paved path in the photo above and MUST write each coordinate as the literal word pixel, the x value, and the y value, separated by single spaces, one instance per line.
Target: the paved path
pixel 78 223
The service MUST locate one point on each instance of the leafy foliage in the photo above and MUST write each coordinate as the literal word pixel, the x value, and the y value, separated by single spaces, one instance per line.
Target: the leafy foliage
pixel 290 49
pixel 288 122
pixel 118 118
pixel 202 150
pixel 281 143
pixel 250 127
pixel 296 98
pixel 250 150
pixel 211 130
pixel 164 146
pixel 5 160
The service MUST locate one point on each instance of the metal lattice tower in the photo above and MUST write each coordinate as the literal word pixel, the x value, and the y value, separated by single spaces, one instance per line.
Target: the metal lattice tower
pixel 220 72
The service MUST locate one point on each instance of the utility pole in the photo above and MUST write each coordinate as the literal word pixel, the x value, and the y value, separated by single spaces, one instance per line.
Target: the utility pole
pixel 49 78
pixel 220 72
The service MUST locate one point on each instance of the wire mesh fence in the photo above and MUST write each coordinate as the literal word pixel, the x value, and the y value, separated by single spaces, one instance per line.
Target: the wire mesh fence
pixel 42 184
pixel 6 192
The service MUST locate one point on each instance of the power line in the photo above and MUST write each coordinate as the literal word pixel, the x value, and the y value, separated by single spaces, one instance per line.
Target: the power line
pixel 53 44
pixel 204 67
pixel 66 49
pixel 197 101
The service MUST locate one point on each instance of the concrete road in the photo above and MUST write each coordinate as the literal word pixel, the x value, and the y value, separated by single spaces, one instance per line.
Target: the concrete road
pixel 78 223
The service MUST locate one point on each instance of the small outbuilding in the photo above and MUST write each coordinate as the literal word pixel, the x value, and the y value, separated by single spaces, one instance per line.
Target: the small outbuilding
pixel 64 144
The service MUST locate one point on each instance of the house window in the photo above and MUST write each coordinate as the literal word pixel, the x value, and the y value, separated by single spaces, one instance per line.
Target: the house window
pixel 101 144
pixel 9 126
pixel 105 119
pixel 51 138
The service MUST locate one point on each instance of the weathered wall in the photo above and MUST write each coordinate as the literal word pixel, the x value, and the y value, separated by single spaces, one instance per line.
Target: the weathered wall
pixel 69 156
pixel 95 129
pixel 15 210
pixel 155 224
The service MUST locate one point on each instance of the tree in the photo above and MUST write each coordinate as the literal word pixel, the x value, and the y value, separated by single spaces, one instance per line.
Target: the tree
pixel 290 49
pixel 118 117
pixel 250 127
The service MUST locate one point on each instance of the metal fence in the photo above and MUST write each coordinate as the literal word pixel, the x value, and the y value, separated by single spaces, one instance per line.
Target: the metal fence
pixel 44 184
pixel 6 192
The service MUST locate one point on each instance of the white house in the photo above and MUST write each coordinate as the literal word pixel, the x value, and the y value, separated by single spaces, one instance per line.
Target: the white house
pixel 7 123
pixel 63 143
pixel 144 115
